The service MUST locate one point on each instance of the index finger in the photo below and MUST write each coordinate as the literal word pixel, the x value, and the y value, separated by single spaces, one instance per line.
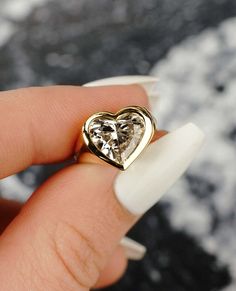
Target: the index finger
pixel 41 125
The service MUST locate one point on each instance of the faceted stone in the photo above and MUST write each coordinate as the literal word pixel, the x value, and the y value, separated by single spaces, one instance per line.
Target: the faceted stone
pixel 117 138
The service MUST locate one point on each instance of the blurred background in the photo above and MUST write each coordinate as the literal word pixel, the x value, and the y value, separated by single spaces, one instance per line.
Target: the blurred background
pixel 191 46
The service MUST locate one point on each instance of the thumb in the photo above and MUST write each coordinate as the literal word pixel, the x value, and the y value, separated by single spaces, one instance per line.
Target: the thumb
pixel 67 232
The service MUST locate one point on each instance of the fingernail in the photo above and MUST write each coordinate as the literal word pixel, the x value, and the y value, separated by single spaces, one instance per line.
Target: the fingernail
pixel 155 171
pixel 147 82
pixel 134 250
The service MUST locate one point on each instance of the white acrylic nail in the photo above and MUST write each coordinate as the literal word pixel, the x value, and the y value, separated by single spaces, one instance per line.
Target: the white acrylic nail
pixel 134 250
pixel 155 171
pixel 147 82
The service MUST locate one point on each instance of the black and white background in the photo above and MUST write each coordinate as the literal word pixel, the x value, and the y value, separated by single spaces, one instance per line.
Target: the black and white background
pixel 191 46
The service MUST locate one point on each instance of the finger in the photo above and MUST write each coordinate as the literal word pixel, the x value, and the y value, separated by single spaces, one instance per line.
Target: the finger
pixel 8 210
pixel 41 125
pixel 67 232
pixel 114 269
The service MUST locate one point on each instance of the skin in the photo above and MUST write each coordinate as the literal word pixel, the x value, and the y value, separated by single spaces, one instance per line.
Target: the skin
pixel 66 236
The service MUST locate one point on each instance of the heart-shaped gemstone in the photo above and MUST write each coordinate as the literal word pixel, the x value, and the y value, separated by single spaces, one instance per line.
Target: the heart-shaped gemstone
pixel 116 137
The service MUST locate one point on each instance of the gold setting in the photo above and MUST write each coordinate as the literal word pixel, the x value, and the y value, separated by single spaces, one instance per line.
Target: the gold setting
pixel 144 141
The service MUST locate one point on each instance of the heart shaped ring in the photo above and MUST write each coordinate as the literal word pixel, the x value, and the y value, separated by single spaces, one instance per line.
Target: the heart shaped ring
pixel 119 138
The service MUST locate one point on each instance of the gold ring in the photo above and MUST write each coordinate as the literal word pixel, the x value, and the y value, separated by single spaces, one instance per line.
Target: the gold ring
pixel 119 138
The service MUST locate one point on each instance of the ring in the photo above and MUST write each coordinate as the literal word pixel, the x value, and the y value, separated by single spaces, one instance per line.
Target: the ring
pixel 119 138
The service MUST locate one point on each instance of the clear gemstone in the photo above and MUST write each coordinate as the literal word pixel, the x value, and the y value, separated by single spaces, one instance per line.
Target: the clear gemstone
pixel 117 138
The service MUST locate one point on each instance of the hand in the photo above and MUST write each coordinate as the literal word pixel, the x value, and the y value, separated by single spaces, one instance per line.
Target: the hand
pixel 66 236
